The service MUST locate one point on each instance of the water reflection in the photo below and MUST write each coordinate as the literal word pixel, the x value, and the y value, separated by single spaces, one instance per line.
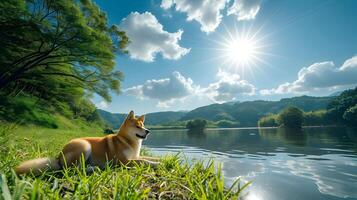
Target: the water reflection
pixel 314 163
pixel 351 133
pixel 294 136
pixel 196 134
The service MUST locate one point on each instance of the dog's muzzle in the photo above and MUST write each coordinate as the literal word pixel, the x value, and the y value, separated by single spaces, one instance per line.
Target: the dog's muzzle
pixel 143 136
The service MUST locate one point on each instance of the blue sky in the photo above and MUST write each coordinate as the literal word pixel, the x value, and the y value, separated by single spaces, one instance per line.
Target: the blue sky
pixel 189 53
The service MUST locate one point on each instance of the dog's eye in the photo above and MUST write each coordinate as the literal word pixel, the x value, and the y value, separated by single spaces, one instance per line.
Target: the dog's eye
pixel 138 127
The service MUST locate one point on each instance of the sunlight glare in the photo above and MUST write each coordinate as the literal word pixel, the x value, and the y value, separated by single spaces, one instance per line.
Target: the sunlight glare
pixel 253 197
pixel 241 51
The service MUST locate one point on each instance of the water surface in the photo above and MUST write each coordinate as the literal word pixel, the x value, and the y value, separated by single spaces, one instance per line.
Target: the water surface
pixel 314 163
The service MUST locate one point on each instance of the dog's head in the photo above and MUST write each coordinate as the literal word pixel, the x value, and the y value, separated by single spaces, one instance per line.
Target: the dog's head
pixel 133 127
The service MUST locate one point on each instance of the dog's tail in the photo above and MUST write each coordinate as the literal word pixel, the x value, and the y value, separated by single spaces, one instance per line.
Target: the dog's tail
pixel 37 166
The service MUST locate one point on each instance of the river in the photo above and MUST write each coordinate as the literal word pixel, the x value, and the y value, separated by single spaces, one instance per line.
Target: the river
pixel 312 163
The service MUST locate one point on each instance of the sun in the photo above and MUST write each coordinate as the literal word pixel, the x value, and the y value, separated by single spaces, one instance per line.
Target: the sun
pixel 240 51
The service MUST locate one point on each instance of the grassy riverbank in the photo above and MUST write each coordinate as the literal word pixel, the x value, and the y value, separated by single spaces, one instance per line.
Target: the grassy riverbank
pixel 174 178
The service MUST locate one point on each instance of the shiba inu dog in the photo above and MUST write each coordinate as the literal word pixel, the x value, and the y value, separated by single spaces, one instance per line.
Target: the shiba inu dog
pixel 121 148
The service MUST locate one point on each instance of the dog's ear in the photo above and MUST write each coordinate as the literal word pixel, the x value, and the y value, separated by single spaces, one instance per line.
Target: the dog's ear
pixel 130 115
pixel 142 118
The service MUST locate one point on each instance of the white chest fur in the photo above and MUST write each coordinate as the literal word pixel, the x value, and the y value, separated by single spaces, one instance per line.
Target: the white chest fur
pixel 131 153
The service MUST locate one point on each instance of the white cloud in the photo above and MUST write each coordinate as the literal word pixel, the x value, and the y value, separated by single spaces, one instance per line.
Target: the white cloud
pixel 244 9
pixel 166 90
pixel 302 167
pixel 323 75
pixel 102 105
pixel 177 88
pixel 208 12
pixel 228 88
pixel 205 12
pixel 148 38
pixel 166 4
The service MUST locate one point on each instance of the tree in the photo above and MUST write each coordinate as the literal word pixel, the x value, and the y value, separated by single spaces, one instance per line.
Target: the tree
pixel 196 124
pixel 350 115
pixel 51 47
pixel 340 105
pixel 291 117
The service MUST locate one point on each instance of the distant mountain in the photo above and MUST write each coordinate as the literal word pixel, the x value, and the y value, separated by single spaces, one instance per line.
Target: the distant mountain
pixel 114 120
pixel 249 112
pixel 159 118
pixel 335 94
pixel 246 113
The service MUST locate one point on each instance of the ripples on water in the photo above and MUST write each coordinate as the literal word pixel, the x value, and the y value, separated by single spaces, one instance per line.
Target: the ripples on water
pixel 315 163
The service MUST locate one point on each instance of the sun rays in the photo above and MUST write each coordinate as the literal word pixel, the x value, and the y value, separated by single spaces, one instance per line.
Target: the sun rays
pixel 240 49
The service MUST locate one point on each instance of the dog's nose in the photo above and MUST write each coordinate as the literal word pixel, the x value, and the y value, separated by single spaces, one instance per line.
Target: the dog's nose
pixel 147 131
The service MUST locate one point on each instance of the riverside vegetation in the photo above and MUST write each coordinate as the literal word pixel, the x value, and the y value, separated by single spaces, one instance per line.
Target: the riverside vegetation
pixel 341 110
pixel 54 56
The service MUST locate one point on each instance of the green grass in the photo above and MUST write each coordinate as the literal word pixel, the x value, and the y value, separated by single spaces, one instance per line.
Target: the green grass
pixel 173 179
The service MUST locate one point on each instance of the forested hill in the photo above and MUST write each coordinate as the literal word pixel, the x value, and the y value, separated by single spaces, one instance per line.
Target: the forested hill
pixel 246 113
pixel 158 118
pixel 249 112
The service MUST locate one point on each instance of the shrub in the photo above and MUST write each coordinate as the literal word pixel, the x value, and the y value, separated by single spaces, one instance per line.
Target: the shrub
pixel 291 117
pixel 268 121
pixel 196 124
pixel 227 124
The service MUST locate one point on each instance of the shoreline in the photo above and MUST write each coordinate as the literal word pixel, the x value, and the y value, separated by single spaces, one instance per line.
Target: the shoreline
pixel 239 128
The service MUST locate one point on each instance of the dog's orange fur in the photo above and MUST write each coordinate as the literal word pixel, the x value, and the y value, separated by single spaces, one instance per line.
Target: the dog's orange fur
pixel 121 148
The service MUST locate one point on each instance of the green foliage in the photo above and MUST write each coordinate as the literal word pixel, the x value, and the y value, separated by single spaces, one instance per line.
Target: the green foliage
pixel 290 117
pixel 350 115
pixel 341 108
pixel 312 118
pixel 268 121
pixel 227 124
pixel 196 124
pixel 174 178
pixel 25 109
pixel 316 118
pixel 58 44
pixel 54 54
